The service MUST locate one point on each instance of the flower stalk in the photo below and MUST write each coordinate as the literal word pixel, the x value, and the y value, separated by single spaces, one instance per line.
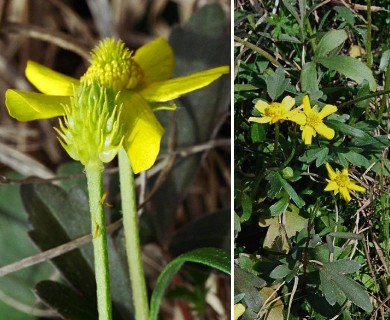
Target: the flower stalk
pixel 132 241
pixel 98 221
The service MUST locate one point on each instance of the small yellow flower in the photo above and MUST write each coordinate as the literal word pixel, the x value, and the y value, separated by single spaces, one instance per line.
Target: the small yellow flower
pixel 340 182
pixel 274 112
pixel 142 84
pixel 239 310
pixel 311 121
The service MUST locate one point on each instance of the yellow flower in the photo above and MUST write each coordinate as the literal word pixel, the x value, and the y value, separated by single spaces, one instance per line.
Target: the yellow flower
pixel 142 84
pixel 274 112
pixel 311 121
pixel 340 182
pixel 239 310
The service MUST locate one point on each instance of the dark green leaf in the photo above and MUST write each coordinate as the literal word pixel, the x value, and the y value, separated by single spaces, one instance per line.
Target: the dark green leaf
pixel 290 190
pixel 343 266
pixel 257 133
pixel 357 159
pixel 327 289
pixel 280 272
pixel 276 83
pixel 249 284
pixel 246 203
pixel 353 291
pixel 330 41
pixel 201 233
pixel 280 206
pixel 66 301
pixel 346 129
pixel 309 81
pixel 212 257
pixel 349 67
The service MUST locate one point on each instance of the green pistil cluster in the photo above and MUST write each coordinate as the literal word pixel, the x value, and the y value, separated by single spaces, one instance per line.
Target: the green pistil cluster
pixel 91 132
pixel 113 67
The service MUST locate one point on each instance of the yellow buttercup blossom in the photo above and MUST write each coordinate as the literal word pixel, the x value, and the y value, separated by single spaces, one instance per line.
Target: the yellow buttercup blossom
pixel 276 111
pixel 142 84
pixel 239 310
pixel 340 182
pixel 311 121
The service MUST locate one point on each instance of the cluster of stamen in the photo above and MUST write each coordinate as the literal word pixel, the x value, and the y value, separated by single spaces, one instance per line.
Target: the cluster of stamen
pixel 313 120
pixel 342 180
pixel 113 66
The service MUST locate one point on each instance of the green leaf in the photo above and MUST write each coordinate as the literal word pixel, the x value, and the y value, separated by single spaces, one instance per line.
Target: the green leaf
pixel 346 129
pixel 349 67
pixel 357 159
pixel 327 289
pixel 343 266
pixel 330 41
pixel 280 272
pixel 58 217
pixel 246 203
pixel 249 284
pixel 201 233
pixel 276 83
pixel 280 206
pixel 309 80
pixel 346 235
pixel 290 190
pixel 65 301
pixel 352 290
pixel 211 257
pixel 15 245
pixel 257 132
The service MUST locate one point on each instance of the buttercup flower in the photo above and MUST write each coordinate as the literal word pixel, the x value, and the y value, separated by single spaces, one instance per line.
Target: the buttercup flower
pixel 274 112
pixel 340 182
pixel 141 82
pixel 239 310
pixel 311 121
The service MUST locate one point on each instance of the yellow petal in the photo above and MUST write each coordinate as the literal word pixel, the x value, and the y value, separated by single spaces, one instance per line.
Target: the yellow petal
pixel 345 194
pixel 27 106
pixel 260 119
pixel 49 81
pixel 355 187
pixel 324 131
pixel 332 186
pixel 239 310
pixel 174 88
pixel 306 104
pixel 331 173
pixel 287 103
pixel 327 110
pixel 143 131
pixel 297 117
pixel 307 134
pixel 261 106
pixel 156 60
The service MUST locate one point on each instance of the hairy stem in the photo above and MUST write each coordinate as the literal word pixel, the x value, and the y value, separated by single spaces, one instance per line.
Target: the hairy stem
pixel 95 191
pixel 132 241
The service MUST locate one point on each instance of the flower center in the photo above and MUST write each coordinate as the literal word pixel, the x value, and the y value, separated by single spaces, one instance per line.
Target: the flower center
pixel 342 180
pixel 275 111
pixel 313 120
pixel 113 67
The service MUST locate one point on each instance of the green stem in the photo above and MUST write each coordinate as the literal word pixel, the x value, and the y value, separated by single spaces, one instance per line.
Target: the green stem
pixel 132 241
pixel 383 104
pixel 264 53
pixel 276 142
pixel 102 274
pixel 368 40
